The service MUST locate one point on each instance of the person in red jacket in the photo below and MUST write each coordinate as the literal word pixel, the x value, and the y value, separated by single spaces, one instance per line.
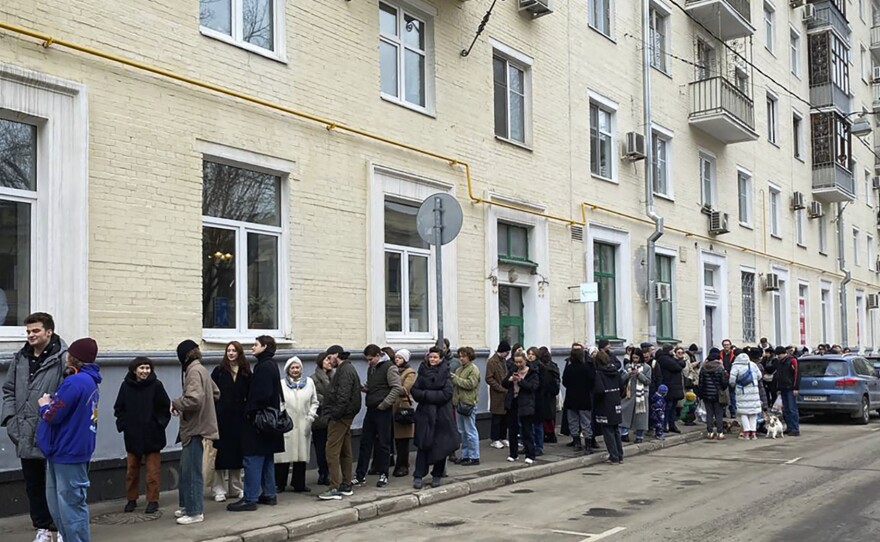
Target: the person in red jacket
pixel 728 353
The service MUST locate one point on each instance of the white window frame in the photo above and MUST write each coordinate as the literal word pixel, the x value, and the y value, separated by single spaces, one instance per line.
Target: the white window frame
pixel 869 200
pixel 666 137
pixel 856 242
pixel 800 216
pixel 770 27
pixel 861 320
pixel 795 50
pixel 708 200
pixel 797 130
pixel 660 14
pixel 524 63
pixel 622 277
pixel 745 198
pixel 775 210
pixel 826 311
pixel 823 235
pixel 425 14
pixel 754 296
pixel 610 107
pixel 279 37
pixel 671 253
pixel 60 212
pixel 609 15
pixel 869 243
pixel 285 169
pixel 784 296
pixel 865 63
pixel 773 118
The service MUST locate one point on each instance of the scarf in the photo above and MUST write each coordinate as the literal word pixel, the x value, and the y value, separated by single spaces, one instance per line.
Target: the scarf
pixel 295 384
pixel 640 393
pixel 522 374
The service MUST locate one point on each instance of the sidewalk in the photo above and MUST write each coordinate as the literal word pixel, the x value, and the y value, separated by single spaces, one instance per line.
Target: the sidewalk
pixel 298 515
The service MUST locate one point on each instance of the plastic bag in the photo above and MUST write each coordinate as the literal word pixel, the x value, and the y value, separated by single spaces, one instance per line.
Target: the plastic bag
pixel 777 405
pixel 701 412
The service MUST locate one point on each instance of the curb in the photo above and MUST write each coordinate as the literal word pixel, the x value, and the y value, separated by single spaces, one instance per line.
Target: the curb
pixel 393 505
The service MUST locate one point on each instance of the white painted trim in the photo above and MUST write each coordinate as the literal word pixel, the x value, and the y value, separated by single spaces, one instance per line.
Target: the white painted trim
pixel 623 280
pixel 784 290
pixel 237 157
pixel 512 54
pixel 807 311
pixel 829 286
pixel 279 34
pixel 661 7
pixel 722 292
pixel 672 253
pixel 607 103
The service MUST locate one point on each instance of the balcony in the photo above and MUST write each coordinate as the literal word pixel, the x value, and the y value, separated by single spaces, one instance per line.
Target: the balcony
pixel 830 95
pixel 875 92
pixel 875 43
pixel 722 110
pixel 832 183
pixel 828 16
pixel 727 19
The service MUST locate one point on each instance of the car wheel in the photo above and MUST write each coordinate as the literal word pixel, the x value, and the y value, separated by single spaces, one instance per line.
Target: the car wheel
pixel 865 412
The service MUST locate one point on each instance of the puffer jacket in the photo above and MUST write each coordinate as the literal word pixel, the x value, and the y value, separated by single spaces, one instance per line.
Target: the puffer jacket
pixel 748 397
pixel 466 384
pixel 343 399
pixel 711 380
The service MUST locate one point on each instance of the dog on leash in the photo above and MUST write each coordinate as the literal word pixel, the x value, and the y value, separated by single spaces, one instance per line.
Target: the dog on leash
pixel 732 427
pixel 774 427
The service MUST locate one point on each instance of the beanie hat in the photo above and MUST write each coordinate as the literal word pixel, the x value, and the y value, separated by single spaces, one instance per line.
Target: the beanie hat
pixel 690 396
pixel 503 346
pixel 715 351
pixel 693 348
pixel 663 389
pixel 780 350
pixel 85 350
pixel 405 354
pixel 185 348
pixel 138 361
pixel 646 345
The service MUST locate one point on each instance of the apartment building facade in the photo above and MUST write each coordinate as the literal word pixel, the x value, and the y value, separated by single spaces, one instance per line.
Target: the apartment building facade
pixel 141 204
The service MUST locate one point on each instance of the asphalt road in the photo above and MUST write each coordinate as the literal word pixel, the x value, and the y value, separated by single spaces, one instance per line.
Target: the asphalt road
pixel 822 486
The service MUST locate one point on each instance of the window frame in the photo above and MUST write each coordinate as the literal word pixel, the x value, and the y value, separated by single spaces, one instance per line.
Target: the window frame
pixel 870 253
pixel 775 211
pixel 800 227
pixel 864 63
pixel 826 320
pixel 745 198
pixel 424 14
pixel 856 242
pixel 669 258
pixel 599 302
pixel 748 301
pixel 869 183
pixel 524 63
pixel 659 134
pixel 236 39
pixel 660 13
pixel 773 118
pixel 601 104
pixel 795 51
pixel 769 18
pixel 797 131
pixel 823 235
pixel 507 257
pixel 711 201
pixel 608 18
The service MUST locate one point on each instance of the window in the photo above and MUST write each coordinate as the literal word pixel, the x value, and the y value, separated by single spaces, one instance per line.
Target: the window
pixel 869 241
pixel 665 309
pixel 744 192
pixel 862 9
pixel 825 312
pixel 803 313
pixel 797 134
pixel 769 27
pixel 707 181
pixel 404 41
pixel 661 147
pixel 705 64
pixel 747 283
pixel 741 80
pixel 855 247
pixel 605 273
pixel 772 119
pixel 512 98
pixel 868 199
pixel 779 309
pixel 775 212
pixel 799 226
pixel 513 243
pixel 252 24
pixel 601 141
pixel 839 62
pixel 241 241
pixel 659 38
pixel 18 197
pixel 407 281
pixel 823 235
pixel 600 16
pixel 864 63
pixel 795 52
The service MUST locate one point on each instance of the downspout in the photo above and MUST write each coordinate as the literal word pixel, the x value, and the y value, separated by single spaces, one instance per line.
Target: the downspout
pixel 651 266
pixel 847 276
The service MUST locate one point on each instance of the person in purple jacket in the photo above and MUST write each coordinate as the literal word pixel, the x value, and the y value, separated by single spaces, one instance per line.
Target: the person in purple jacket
pixel 66 436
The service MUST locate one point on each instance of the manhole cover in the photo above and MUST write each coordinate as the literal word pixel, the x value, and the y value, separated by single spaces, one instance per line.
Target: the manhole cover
pixel 604 513
pixel 122 518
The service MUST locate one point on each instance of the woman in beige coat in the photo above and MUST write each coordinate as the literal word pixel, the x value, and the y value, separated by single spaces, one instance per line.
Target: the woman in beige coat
pixel 403 432
pixel 301 403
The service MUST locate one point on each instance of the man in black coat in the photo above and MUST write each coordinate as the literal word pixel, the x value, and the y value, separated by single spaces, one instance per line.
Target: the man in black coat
pixel 579 379
pixel 788 385
pixel 672 367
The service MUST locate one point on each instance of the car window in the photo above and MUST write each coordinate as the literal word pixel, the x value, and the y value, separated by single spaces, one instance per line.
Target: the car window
pixel 862 367
pixel 819 367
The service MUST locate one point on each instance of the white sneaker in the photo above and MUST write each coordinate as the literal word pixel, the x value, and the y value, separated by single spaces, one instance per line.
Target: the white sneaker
pixel 43 535
pixel 511 459
pixel 497 444
pixel 58 538
pixel 220 497
pixel 179 513
pixel 506 443
pixel 529 461
pixel 189 520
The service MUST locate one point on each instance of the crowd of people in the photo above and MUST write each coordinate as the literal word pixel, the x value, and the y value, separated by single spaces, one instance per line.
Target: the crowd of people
pixel 250 417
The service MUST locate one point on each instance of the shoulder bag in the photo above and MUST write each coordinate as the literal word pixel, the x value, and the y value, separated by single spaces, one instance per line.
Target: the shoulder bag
pixel 272 420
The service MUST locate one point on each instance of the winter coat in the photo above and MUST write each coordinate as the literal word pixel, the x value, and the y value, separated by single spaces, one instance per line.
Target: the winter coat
pixel 198 415
pixel 786 375
pixel 528 389
pixel 68 427
pixel 579 380
pixel 436 434
pixel 343 399
pixel 322 385
pixel 142 411
pixel 496 371
pixel 301 405
pixel 21 413
pixel 656 374
pixel 727 362
pixel 407 379
pixel 631 418
pixel 606 396
pixel 549 391
pixel 230 417
pixel 466 384
pixel 711 380
pixel 748 397
pixel 672 375
pixel 264 392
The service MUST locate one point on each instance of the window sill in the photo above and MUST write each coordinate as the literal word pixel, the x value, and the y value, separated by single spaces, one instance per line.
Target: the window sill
pixel 219 36
pixel 662 71
pixel 774 143
pixel 606 179
pixel 406 105
pixel 666 197
pixel 604 35
pixel 514 261
pixel 775 236
pixel 823 254
pixel 746 226
pixel 514 143
pixel 801 245
pixel 800 159
pixel 19 337
pixel 427 342
pixel 244 339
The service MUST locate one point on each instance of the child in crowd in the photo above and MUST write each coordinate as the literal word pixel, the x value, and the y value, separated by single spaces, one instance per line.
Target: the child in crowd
pixel 689 409
pixel 658 411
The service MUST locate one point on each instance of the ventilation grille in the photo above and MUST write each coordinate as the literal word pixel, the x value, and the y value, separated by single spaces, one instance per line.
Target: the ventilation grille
pixel 577 233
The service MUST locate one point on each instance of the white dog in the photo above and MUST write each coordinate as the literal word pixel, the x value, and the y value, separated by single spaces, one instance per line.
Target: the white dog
pixel 774 427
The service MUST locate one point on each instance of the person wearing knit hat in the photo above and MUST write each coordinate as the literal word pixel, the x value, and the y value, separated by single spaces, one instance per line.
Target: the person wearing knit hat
pixel 402 412
pixel 496 372
pixel 658 411
pixel 66 435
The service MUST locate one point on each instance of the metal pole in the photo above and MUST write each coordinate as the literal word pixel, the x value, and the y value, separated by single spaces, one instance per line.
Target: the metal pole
pixel 438 237
pixel 841 261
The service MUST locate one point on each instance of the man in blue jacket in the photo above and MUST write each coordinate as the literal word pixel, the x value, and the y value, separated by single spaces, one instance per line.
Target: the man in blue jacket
pixel 66 436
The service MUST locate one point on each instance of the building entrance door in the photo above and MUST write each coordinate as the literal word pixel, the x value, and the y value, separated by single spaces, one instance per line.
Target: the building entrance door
pixel 510 314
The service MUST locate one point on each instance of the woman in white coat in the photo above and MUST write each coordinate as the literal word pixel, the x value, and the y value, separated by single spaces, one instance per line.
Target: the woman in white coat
pixel 301 404
pixel 746 376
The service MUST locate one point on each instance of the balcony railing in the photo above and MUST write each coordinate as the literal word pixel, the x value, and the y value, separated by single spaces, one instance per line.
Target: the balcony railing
pixel 829 95
pixel 833 182
pixel 726 19
pixel 722 110
pixel 828 16
pixel 743 7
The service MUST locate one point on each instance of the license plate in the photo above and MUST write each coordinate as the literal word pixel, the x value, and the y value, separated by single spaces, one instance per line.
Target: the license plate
pixel 814 398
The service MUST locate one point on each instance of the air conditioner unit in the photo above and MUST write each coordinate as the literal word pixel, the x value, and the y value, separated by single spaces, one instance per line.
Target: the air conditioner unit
pixel 797 201
pixel 635 146
pixel 875 182
pixel 809 12
pixel 536 8
pixel 717 223
pixel 816 210
pixel 796 3
pixel 664 292
pixel 771 282
pixel 873 301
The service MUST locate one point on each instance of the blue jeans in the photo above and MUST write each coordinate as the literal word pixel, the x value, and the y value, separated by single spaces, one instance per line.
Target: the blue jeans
pixel 670 413
pixel 790 411
pixel 732 401
pixel 470 438
pixel 624 431
pixel 538 430
pixel 190 490
pixel 259 474
pixel 66 492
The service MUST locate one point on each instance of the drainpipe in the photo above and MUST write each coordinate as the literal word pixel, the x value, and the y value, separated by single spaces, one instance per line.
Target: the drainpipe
pixel 651 266
pixel 847 276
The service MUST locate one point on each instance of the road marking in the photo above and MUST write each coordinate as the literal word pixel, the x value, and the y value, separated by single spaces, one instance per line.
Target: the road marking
pixel 591 537
pixel 792 461
pixel 875 429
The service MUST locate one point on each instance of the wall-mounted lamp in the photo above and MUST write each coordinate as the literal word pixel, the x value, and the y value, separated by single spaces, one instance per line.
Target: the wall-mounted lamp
pixel 542 284
pixel 493 278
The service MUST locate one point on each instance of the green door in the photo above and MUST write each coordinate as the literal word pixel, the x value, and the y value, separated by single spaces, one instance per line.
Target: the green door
pixel 510 314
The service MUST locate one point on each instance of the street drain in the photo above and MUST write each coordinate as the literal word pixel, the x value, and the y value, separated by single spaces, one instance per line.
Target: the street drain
pixel 485 501
pixel 691 483
pixel 604 513
pixel 447 524
pixel 641 502
pixel 523 491
pixel 122 518
pixel 591 474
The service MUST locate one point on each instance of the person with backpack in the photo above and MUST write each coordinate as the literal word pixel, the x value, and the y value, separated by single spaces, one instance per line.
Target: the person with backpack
pixel 745 376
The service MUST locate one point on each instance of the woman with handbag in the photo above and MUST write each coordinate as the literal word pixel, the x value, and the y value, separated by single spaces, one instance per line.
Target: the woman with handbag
pixel 713 391
pixel 522 384
pixel 321 378
pixel 465 390
pixel 300 400
pixel 404 412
